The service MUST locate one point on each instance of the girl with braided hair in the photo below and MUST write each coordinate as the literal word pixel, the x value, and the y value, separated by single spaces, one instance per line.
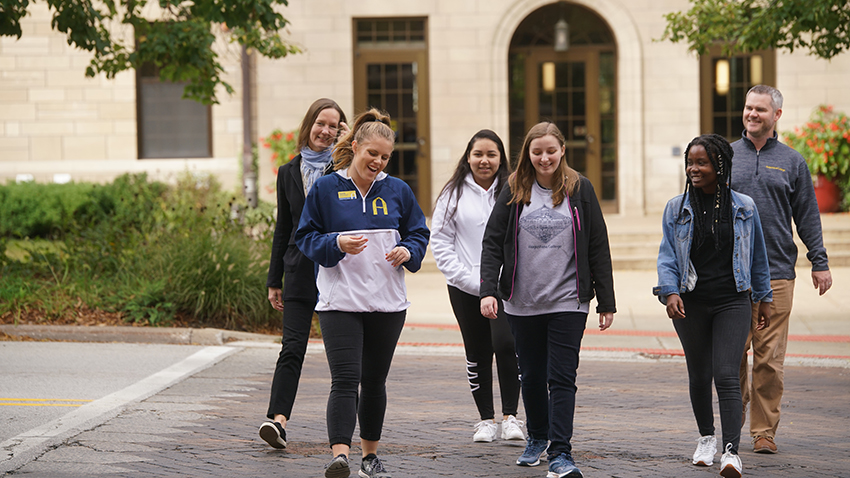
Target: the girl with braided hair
pixel 712 262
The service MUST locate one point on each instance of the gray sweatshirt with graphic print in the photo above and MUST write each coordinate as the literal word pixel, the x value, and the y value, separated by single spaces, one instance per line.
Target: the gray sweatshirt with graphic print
pixel 778 180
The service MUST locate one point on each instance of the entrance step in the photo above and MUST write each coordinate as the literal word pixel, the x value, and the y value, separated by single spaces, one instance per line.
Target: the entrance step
pixel 634 242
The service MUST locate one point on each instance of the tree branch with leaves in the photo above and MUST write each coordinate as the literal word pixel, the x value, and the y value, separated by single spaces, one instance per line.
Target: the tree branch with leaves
pixel 177 39
pixel 742 26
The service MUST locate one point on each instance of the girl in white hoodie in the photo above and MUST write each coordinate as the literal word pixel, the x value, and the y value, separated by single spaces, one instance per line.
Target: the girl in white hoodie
pixel 458 223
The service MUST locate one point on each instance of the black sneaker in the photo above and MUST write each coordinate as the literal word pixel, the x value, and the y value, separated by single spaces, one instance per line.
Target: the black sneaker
pixel 372 467
pixel 274 434
pixel 338 467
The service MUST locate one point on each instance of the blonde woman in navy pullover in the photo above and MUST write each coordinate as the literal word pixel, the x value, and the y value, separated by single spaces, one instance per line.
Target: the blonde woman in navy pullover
pixel 361 226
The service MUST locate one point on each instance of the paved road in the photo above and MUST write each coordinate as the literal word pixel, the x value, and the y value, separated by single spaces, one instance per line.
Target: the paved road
pixel 633 419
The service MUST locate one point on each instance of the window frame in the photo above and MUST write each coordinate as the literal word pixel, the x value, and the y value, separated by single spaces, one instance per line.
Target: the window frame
pixel 708 84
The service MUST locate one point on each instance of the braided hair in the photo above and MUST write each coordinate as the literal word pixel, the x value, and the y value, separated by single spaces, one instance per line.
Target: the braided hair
pixel 720 153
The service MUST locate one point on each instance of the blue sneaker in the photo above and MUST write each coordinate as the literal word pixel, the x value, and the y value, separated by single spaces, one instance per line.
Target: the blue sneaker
pixel 534 449
pixel 563 466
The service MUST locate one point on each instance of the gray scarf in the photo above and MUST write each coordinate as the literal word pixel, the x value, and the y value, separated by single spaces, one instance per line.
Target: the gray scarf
pixel 313 165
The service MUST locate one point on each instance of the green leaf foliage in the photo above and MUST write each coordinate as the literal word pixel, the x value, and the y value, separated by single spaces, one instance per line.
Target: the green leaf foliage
pixel 741 26
pixel 149 251
pixel 177 40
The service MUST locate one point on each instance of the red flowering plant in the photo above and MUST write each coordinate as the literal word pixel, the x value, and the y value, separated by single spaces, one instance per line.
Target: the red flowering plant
pixel 282 145
pixel 824 142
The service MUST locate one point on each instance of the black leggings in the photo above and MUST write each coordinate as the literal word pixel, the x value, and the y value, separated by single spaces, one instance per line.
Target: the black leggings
pixel 360 348
pixel 482 337
pixel 297 321
pixel 713 338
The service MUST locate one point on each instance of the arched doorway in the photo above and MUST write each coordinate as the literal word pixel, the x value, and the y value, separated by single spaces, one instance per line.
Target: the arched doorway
pixel 574 88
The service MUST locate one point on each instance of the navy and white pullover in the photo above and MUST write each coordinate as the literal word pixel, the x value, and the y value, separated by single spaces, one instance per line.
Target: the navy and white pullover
pixel 388 216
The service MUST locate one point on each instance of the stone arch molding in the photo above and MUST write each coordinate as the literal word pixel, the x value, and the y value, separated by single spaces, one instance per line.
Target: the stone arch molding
pixel 630 124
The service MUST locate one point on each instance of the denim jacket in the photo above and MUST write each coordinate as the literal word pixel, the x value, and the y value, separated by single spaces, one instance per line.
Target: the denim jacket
pixel 749 256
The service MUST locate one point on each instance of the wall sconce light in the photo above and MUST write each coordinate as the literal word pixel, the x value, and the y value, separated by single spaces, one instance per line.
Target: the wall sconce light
pixel 548 76
pixel 755 70
pixel 562 35
pixel 721 77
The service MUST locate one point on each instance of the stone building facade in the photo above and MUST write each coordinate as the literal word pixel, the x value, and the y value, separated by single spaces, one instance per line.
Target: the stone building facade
pixel 444 69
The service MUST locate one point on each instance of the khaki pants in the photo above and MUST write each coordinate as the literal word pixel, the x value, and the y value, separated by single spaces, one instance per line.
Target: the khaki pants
pixel 764 391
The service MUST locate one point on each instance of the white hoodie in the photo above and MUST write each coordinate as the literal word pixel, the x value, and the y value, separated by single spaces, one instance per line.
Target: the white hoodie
pixel 456 243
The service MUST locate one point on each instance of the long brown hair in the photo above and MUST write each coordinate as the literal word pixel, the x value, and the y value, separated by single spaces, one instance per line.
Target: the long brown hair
pixel 310 117
pixel 366 125
pixel 565 180
pixel 455 184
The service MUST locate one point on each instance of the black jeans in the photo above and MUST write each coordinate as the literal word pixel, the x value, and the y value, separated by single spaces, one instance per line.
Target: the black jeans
pixel 297 320
pixel 547 347
pixel 483 337
pixel 360 348
pixel 713 337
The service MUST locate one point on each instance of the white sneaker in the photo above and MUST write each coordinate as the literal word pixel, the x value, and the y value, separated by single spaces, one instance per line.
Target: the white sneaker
pixel 485 431
pixel 511 429
pixel 706 449
pixel 730 464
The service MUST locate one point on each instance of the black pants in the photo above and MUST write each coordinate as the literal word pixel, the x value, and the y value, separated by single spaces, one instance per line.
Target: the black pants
pixel 713 338
pixel 548 349
pixel 360 348
pixel 483 337
pixel 297 320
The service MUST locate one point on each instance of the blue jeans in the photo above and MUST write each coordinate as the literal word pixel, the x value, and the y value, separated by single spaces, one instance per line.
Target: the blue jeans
pixel 713 337
pixel 547 347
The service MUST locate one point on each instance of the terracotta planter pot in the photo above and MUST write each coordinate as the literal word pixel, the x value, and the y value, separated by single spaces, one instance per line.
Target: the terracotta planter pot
pixel 828 194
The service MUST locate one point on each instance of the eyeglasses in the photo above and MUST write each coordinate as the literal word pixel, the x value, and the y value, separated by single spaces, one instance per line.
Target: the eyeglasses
pixel 322 125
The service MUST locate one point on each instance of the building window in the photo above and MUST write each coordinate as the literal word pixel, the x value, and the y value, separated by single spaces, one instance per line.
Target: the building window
pixel 724 83
pixel 170 126
pixel 390 33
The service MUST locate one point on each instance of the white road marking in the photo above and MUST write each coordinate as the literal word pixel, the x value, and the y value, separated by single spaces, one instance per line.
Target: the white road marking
pixel 23 448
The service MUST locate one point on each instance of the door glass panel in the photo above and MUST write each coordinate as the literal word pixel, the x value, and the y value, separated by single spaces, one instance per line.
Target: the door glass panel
pixel 608 128
pixel 398 98
pixel 565 106
pixel 391 78
pixel 373 76
pixel 407 75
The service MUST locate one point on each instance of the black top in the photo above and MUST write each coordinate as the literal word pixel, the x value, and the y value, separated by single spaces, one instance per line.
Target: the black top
pixel 289 269
pixel 498 254
pixel 715 280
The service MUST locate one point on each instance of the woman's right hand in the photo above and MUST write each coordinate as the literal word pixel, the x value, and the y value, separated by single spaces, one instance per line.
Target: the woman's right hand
pixel 276 298
pixel 489 307
pixel 352 244
pixel 675 307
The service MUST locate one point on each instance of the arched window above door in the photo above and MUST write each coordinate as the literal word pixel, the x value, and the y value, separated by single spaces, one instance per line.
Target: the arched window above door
pixel 585 27
pixel 573 88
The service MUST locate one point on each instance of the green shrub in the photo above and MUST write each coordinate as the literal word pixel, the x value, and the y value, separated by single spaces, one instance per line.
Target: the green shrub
pixel 39 210
pixel 52 211
pixel 152 252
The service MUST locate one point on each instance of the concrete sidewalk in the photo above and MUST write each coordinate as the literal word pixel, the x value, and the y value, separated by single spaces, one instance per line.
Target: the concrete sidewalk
pixel 819 335
pixel 819 329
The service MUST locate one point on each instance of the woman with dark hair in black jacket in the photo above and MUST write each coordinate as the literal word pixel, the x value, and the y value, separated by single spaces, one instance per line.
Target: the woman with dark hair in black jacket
pixel 292 277
pixel 545 254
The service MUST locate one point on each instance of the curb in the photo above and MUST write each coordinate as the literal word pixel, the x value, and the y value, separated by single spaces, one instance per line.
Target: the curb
pixel 169 335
